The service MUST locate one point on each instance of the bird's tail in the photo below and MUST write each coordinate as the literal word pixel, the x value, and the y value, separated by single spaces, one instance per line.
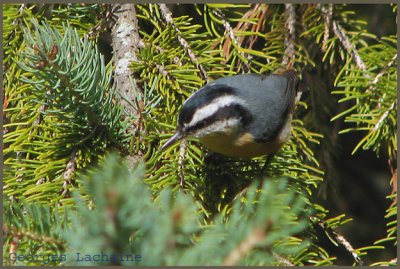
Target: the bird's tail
pixel 294 88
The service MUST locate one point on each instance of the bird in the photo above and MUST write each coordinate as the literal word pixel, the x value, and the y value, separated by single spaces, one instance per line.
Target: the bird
pixel 244 116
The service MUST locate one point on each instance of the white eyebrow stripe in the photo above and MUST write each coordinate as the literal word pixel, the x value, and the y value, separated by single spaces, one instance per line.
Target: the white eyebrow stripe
pixel 210 109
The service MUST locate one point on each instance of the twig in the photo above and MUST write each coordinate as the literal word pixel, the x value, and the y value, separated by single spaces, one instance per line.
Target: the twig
pixel 250 14
pixel 231 34
pixel 12 231
pixel 341 35
pixel 69 170
pixel 14 244
pixel 15 23
pixel 167 15
pixel 126 41
pixel 393 170
pixel 392 261
pixel 348 247
pixel 41 181
pixel 327 15
pixel 377 78
pixel 382 118
pixel 38 119
pixel 290 34
pixel 105 22
pixel 343 241
pixel 245 246
pixel 282 260
pixel 380 74
pixel 241 194
pixel 182 153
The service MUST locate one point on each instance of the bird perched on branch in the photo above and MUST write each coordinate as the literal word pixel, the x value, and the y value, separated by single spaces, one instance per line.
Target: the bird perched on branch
pixel 243 116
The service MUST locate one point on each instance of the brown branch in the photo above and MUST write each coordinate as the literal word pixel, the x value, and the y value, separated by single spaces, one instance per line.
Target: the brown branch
pixel 244 247
pixel 167 15
pixel 126 42
pixel 289 55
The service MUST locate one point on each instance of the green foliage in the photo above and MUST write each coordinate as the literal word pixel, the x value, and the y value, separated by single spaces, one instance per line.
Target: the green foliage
pixel 64 110
pixel 186 205
pixel 169 232
pixel 33 234
pixel 375 106
pixel 119 199
pixel 175 78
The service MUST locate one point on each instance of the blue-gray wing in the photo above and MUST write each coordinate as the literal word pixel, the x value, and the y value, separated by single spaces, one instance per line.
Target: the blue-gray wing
pixel 270 99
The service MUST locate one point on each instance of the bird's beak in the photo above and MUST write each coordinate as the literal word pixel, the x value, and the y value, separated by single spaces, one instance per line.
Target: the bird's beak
pixel 176 137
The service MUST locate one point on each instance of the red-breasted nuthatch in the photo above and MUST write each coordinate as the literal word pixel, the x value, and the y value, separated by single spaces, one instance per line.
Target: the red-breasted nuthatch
pixel 240 116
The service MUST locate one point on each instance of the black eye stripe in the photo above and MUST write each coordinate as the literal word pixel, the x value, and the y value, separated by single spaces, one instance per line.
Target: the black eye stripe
pixel 227 112
pixel 202 98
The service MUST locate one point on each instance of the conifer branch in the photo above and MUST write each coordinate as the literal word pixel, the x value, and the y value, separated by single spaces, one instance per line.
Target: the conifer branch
pixel 167 15
pixel 73 112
